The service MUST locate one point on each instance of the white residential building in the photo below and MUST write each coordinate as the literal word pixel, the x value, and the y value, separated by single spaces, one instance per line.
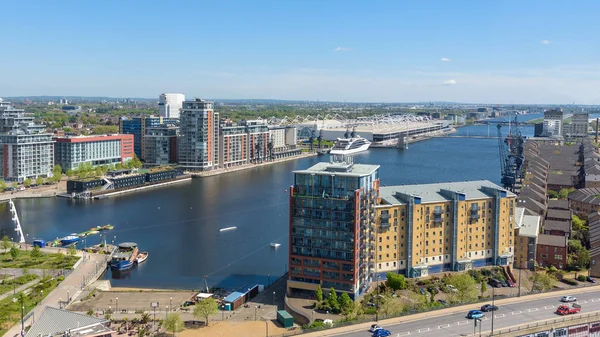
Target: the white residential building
pixel 198 142
pixel 169 105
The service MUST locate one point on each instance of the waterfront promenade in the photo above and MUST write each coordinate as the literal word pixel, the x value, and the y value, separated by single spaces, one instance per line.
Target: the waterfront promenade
pixel 87 270
pixel 248 166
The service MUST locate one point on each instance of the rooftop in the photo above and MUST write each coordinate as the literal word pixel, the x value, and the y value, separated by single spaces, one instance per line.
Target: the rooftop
pixel 529 225
pixel 559 214
pixel 586 195
pixel 558 204
pixel 557 225
pixel 432 192
pixel 344 168
pixel 55 321
pixel 552 240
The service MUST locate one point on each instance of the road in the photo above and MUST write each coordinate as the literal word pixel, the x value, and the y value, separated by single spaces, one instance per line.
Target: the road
pixel 508 315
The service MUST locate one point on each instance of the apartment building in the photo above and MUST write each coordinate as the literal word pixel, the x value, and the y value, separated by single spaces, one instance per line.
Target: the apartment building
pixel 258 140
pixel 70 152
pixel 553 123
pixel 284 140
pixel 527 229
pixel 234 146
pixel 331 232
pixel 433 228
pixel 137 126
pixel 169 105
pixel 160 145
pixel 198 146
pixel 578 127
pixel 552 250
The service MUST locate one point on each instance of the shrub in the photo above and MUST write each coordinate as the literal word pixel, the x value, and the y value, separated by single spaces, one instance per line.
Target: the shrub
pixel 581 278
pixel 570 281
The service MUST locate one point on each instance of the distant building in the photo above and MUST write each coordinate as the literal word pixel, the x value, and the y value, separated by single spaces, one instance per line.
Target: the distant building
pixel 137 126
pixel 553 123
pixel 258 140
pixel 198 145
pixel 234 146
pixel 71 108
pixel 160 145
pixel 12 119
pixel 578 128
pixel 284 140
pixel 70 152
pixel 169 105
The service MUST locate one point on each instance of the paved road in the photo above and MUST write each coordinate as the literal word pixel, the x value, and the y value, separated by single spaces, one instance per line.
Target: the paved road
pixel 508 315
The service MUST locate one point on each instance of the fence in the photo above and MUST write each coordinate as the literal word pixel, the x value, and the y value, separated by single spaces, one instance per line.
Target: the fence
pixel 548 322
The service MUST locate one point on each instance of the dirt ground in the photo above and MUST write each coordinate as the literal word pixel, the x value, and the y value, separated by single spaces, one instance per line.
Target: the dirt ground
pixel 238 329
pixel 132 300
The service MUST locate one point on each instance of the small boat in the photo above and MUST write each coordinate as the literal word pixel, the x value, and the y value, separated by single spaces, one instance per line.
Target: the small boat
pixel 142 256
pixel 125 257
pixel 275 245
pixel 69 239
pixel 107 227
pixel 97 228
pixel 227 229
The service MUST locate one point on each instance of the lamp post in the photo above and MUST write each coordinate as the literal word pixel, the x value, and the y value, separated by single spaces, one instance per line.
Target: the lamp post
pixel 493 308
pixel 22 321
pixel 26 240
pixel 255 307
pixel 273 298
pixel 166 313
pixel 14 284
pixel 171 303
pixel 117 304
pixel 60 303
pixel 267 326
pixel 377 300
pixel 268 279
pixel 313 316
pixel 222 312
pixel 68 296
pixel 109 309
pixel 520 269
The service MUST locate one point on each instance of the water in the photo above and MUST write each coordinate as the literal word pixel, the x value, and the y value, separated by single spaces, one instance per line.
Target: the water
pixel 179 224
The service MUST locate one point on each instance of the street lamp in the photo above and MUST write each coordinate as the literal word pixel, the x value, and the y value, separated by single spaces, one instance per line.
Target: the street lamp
pixel 171 303
pixel 166 313
pixel 273 298
pixel 117 304
pixel 520 269
pixel 68 296
pixel 377 300
pixel 493 308
pixel 22 321
pixel 26 240
pixel 255 307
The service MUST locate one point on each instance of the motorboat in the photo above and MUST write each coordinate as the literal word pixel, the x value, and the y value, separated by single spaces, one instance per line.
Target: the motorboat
pixel 227 229
pixel 69 239
pixel 350 145
pixel 275 245
pixel 142 256
pixel 125 256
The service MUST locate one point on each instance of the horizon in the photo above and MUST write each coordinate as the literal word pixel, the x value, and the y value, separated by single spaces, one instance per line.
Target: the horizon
pixel 518 53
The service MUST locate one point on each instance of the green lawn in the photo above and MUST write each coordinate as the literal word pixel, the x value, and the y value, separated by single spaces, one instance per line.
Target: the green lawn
pixel 46 261
pixel 8 285
pixel 10 311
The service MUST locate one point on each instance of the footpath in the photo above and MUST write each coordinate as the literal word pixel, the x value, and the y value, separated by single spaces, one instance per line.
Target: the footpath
pixel 19 289
pixel 89 268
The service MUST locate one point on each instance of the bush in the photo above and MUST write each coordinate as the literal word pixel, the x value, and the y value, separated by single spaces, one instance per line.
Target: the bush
pixel 581 278
pixel 570 281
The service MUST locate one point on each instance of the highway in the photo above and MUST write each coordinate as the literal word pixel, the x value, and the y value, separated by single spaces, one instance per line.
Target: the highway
pixel 527 311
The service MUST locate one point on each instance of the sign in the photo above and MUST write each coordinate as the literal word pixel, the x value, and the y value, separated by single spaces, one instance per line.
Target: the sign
pixel 154 304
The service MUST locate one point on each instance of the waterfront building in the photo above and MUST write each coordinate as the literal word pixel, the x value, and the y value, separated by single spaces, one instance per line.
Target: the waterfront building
pixel 234 146
pixel 553 123
pixel 434 228
pixel 284 140
pixel 169 105
pixel 578 128
pixel 72 151
pixel 258 140
pixel 137 126
pixel 527 229
pixel 198 145
pixel 160 145
pixel 25 150
pixel 331 234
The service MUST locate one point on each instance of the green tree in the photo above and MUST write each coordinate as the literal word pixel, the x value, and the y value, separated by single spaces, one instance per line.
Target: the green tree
pixel 27 182
pixel 136 162
pixel 564 192
pixel 391 306
pixel 542 281
pixel 14 253
pixel 36 252
pixel 145 318
pixel 72 251
pixel 2 185
pixel 345 302
pixel 206 307
pixel 319 294
pixel 39 181
pixel 70 173
pixel 90 312
pixel 395 281
pixel 57 171
pixel 579 256
pixel 552 194
pixel 173 323
pixel 15 185
pixel 483 288
pixel 6 244
pixel 332 300
pixel 416 302
pixel 466 288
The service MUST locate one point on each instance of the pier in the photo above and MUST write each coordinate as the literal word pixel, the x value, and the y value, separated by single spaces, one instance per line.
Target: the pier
pixel 15 218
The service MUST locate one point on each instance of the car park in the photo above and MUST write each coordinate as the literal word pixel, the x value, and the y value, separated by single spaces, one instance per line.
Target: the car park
pixel 568 299
pixel 475 314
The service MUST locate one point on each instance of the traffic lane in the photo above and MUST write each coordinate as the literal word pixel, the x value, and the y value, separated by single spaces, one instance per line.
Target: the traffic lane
pixel 507 315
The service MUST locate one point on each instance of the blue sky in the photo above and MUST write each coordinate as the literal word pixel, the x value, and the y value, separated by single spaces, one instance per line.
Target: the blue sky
pixel 372 51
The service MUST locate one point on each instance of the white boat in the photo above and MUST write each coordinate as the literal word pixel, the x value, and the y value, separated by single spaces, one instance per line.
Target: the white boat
pixel 275 245
pixel 350 145
pixel 227 229
pixel 142 256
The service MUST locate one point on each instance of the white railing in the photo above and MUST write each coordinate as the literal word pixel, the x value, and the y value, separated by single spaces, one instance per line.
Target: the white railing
pixel 15 218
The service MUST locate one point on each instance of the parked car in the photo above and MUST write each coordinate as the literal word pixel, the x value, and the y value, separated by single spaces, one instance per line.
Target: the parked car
pixel 422 290
pixel 374 328
pixel 381 333
pixel 443 302
pixel 589 279
pixel 451 288
pixel 504 283
pixel 568 299
pixel 488 307
pixel 495 283
pixel 475 314
pixel 510 283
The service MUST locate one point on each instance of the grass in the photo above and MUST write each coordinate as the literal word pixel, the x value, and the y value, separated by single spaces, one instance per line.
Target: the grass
pixel 8 285
pixel 10 311
pixel 46 261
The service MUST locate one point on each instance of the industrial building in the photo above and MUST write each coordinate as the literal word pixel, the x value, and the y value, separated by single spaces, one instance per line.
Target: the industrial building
pixel 137 126
pixel 160 145
pixel 169 105
pixel 331 227
pixel 284 140
pixel 72 151
pixel 198 146
pixel 578 128
pixel 434 228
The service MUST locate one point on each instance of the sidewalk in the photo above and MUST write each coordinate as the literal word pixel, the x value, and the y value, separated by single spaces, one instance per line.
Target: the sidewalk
pixel 90 268
pixel 19 289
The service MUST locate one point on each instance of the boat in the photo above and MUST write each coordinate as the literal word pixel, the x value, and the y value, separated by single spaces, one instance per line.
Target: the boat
pixel 69 239
pixel 125 256
pixel 227 229
pixel 97 228
pixel 107 227
pixel 92 232
pixel 142 256
pixel 350 145
pixel 275 245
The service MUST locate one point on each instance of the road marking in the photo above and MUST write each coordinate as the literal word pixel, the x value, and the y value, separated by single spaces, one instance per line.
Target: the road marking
pixel 516 312
pixel 463 322
pixel 443 326
pixel 595 299
pixel 582 301
pixel 532 310
pixel 498 316
pixel 423 330
pixel 403 334
pixel 549 307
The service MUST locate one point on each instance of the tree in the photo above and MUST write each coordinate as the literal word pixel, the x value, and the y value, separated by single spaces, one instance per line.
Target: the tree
pixel 14 253
pixel 483 288
pixel 206 307
pixel 90 312
pixel 416 302
pixel 2 185
pixel 391 306
pixel 345 303
pixel 72 251
pixel 395 281
pixel 57 172
pixel 319 294
pixel 36 252
pixel 552 194
pixel 6 244
pixel 542 281
pixel 173 323
pixel 39 181
pixel 145 318
pixel 564 192
pixel 579 256
pixel 70 173
pixel 466 288
pixel 332 300
pixel 27 182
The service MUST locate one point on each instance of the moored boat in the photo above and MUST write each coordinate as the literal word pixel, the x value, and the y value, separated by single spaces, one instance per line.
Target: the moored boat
pixel 142 256
pixel 350 145
pixel 107 227
pixel 69 239
pixel 125 256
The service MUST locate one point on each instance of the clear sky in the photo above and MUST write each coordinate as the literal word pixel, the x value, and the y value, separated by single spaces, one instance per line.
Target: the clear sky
pixel 362 51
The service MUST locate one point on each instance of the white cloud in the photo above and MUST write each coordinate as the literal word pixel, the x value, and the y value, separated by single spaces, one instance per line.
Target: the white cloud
pixel 445 59
pixel 450 82
pixel 342 49
pixel 545 41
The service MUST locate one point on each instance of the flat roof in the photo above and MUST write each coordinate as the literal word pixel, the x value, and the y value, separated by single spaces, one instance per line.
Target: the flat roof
pixel 559 225
pixel 233 297
pixel 53 321
pixel 340 168
pixel 431 192
pixel 552 240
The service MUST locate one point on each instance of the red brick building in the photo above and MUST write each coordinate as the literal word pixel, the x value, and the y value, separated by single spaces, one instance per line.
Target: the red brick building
pixel 552 250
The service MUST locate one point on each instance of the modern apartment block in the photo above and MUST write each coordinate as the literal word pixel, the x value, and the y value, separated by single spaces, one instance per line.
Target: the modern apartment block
pixel 169 105
pixel 70 152
pixel 331 227
pixel 160 145
pixel 434 228
pixel 198 146
pixel 234 146
pixel 258 140
pixel 25 151
pixel 553 123
pixel 284 140
pixel 137 126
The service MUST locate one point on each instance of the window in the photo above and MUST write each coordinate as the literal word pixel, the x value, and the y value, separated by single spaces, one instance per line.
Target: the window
pixel 543 256
pixel 557 257
pixel 387 264
pixel 394 263
pixel 380 257
pixel 380 239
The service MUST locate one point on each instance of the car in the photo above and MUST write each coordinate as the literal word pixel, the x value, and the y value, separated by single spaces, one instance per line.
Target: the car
pixel 374 328
pixel 589 279
pixel 475 314
pixel 451 288
pixel 381 333
pixel 510 283
pixel 568 299
pixel 495 283
pixel 442 302
pixel 489 307
pixel 504 283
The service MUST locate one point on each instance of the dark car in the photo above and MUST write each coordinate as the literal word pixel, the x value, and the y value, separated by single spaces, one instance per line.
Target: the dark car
pixel 495 283
pixel 504 283
pixel 589 279
pixel 510 283
pixel 489 307
pixel 443 302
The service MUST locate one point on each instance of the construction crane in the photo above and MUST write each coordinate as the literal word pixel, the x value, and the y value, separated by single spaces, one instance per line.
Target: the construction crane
pixel 511 155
